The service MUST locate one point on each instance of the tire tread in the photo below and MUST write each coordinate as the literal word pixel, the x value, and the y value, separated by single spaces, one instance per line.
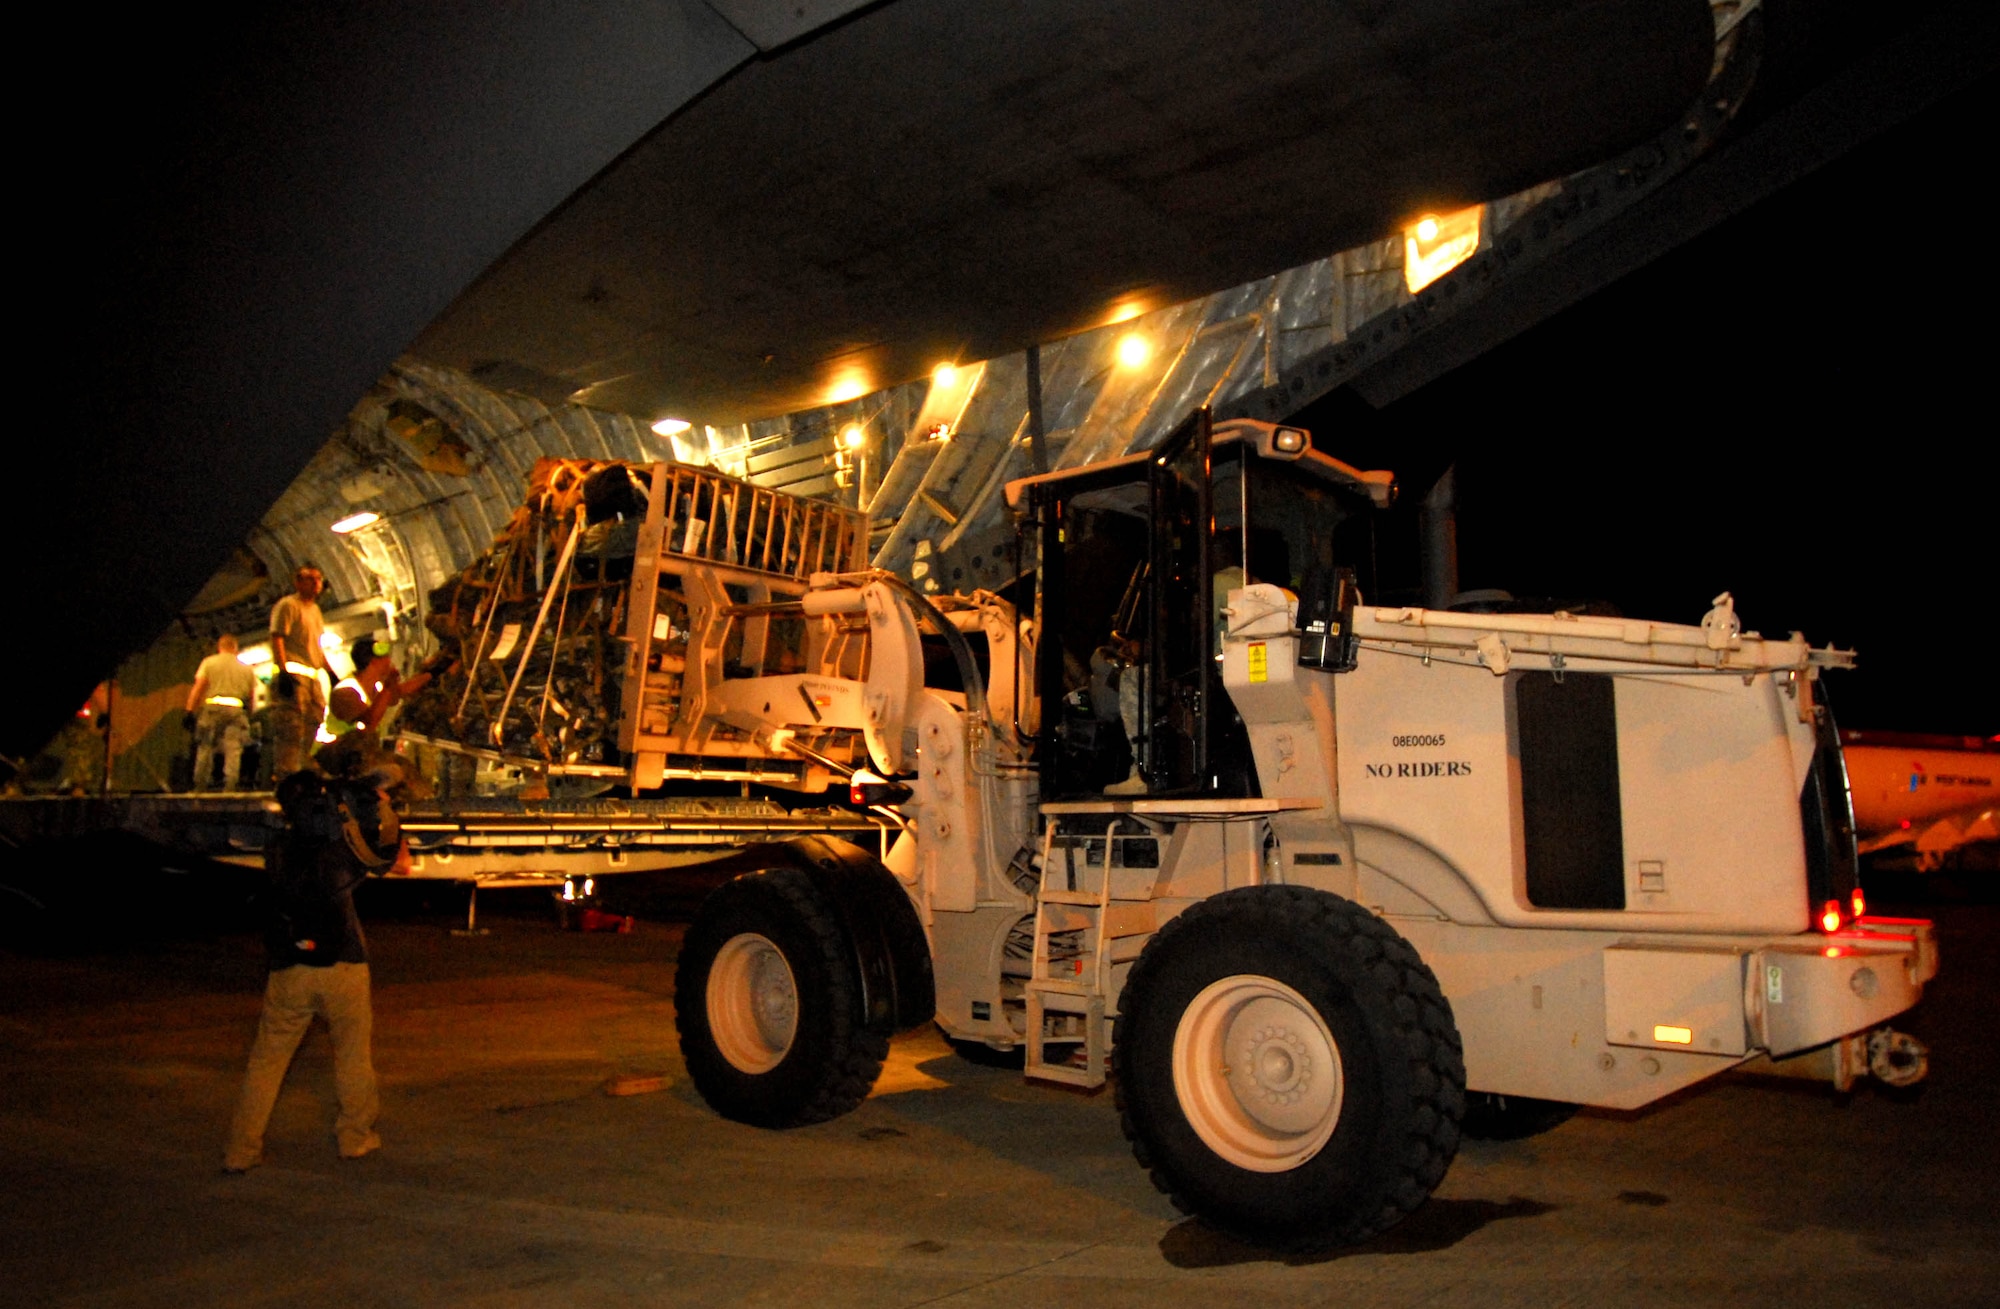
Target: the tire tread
pixel 1417 1007
pixel 858 1050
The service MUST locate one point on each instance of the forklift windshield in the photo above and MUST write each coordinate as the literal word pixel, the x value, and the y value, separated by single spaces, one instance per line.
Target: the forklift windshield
pixel 1137 559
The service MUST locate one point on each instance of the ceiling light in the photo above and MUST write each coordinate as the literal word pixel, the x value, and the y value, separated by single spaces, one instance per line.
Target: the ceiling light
pixel 853 435
pixel 671 426
pixel 945 374
pixel 354 522
pixel 848 384
pixel 1437 243
pixel 1133 350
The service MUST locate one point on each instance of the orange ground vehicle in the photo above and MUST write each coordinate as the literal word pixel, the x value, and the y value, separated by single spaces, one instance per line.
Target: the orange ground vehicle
pixel 1929 796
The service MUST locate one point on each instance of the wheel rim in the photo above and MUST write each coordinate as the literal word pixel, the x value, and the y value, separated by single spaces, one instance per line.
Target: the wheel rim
pixel 753 1003
pixel 1258 1073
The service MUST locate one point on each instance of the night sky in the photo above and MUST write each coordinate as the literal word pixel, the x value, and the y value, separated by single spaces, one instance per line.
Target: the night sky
pixel 1793 407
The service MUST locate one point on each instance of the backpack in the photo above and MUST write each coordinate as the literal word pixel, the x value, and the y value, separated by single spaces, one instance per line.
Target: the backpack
pixel 337 832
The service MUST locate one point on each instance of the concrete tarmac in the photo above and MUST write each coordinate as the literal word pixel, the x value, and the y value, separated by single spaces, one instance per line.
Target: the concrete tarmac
pixel 511 1177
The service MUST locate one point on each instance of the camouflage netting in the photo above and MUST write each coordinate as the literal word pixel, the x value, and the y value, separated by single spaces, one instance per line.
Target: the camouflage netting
pixel 563 706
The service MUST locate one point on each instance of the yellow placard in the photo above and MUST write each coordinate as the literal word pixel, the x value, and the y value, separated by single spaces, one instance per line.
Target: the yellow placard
pixel 1259 670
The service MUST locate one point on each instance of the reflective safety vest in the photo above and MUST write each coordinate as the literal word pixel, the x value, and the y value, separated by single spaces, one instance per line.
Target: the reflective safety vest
pixel 335 724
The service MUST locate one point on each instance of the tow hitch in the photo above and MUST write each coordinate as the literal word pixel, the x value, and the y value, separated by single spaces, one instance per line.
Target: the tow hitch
pixel 1896 1058
pixel 1891 1057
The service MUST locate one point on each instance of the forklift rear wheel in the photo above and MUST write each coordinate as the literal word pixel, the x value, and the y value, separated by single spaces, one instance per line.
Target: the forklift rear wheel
pixel 1288 1068
pixel 768 1004
pixel 1257 1073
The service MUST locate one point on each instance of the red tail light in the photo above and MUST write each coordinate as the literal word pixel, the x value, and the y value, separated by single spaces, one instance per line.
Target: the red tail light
pixel 1860 902
pixel 1829 917
pixel 865 788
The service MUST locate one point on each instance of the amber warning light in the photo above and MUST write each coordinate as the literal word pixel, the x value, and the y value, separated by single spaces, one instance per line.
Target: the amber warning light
pixel 870 789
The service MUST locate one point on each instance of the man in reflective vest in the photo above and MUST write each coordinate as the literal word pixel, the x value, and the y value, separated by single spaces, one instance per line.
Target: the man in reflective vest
pixel 363 699
pixel 219 703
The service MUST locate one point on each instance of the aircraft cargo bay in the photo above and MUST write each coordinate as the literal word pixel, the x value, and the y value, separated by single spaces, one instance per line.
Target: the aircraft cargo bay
pixel 922 652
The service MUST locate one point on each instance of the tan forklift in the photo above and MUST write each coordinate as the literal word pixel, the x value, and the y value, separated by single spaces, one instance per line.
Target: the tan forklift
pixel 1315 884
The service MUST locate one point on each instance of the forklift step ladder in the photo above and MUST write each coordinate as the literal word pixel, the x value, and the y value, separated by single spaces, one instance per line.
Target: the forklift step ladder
pixel 1071 983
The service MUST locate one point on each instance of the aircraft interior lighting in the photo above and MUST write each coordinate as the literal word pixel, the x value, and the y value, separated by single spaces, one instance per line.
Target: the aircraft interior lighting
pixel 848 384
pixel 1437 243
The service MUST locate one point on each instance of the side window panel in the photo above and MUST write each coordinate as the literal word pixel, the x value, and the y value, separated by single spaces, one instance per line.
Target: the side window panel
pixel 1572 823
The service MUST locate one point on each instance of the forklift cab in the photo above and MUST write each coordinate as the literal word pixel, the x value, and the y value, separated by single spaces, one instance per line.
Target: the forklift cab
pixel 1136 559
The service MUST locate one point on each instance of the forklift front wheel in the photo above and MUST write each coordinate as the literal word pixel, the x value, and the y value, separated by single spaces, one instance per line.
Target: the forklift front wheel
pixel 753 1003
pixel 768 1000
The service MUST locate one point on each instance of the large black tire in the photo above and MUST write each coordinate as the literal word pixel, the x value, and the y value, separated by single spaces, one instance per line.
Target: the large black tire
pixel 768 1002
pixel 1288 1068
pixel 1490 1116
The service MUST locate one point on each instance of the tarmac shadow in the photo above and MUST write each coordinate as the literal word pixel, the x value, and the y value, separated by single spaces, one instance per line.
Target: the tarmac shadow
pixel 1439 1225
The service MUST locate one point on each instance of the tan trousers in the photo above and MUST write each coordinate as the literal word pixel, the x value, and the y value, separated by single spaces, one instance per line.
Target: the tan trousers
pixel 295 721
pixel 293 995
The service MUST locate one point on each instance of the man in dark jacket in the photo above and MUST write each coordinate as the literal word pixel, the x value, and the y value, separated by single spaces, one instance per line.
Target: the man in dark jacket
pixel 338 829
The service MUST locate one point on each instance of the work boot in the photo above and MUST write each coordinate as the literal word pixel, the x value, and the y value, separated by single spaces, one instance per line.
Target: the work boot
pixel 1133 785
